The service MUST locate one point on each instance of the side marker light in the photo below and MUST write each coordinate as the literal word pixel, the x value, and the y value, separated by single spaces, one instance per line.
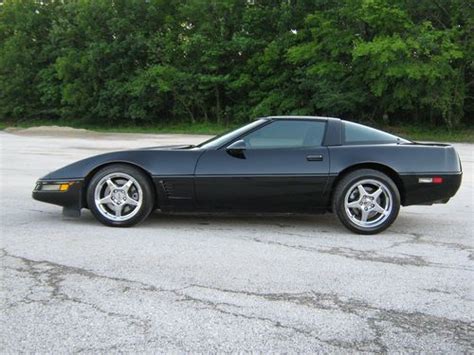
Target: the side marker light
pixel 431 180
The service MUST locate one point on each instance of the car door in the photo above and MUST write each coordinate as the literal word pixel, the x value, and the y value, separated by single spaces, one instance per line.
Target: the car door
pixel 281 166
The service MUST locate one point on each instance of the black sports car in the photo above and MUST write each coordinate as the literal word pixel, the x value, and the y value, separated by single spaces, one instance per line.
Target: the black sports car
pixel 274 164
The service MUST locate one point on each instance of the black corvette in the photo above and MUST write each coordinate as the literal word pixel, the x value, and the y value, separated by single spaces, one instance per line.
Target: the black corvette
pixel 274 164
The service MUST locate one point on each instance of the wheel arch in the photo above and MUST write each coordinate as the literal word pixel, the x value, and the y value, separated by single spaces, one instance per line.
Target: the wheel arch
pixel 93 171
pixel 390 172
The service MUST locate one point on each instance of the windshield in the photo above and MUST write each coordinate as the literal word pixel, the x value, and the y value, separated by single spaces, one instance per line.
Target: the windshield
pixel 219 140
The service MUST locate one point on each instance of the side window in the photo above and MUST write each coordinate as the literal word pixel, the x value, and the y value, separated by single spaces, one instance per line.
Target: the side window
pixel 287 134
pixel 355 133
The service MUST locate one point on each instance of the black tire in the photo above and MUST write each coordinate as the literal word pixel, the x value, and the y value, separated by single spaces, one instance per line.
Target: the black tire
pixel 141 188
pixel 353 217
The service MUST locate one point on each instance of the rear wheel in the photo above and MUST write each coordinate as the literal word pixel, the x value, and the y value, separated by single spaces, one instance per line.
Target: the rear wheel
pixel 366 201
pixel 120 195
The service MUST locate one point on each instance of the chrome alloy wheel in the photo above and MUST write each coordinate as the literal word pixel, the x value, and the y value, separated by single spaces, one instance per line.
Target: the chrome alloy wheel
pixel 368 203
pixel 118 197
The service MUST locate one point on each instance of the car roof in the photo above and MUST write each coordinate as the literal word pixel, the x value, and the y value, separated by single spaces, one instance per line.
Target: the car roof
pixel 301 117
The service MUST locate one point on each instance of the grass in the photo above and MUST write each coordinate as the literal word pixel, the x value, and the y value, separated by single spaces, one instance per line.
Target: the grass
pixel 413 132
pixel 433 134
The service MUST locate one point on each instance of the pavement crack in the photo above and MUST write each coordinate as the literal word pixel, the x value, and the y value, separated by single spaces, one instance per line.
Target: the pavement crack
pixel 220 308
pixel 366 255
pixel 40 267
pixel 50 276
pixel 417 323
pixel 417 238
pixel 350 253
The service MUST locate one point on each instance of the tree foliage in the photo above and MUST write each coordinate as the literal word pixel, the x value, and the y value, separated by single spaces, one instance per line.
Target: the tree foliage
pixel 149 61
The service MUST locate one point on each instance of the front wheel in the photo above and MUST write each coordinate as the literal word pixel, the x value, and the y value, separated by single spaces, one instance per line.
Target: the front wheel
pixel 120 195
pixel 366 201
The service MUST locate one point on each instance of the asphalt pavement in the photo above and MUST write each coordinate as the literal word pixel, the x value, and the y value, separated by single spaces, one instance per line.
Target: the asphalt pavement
pixel 204 283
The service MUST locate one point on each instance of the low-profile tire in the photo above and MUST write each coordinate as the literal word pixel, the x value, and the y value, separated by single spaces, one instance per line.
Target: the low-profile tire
pixel 366 201
pixel 120 195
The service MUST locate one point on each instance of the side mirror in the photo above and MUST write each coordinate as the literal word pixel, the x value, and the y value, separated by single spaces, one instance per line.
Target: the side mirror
pixel 237 149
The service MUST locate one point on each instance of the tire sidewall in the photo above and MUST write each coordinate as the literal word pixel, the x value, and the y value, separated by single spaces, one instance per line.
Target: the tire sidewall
pixel 142 179
pixel 352 178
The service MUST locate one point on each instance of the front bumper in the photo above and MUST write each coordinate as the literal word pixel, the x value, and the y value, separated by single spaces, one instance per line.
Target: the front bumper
pixel 419 193
pixel 72 198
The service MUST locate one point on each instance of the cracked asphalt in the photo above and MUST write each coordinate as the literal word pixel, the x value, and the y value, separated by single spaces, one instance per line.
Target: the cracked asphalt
pixel 225 283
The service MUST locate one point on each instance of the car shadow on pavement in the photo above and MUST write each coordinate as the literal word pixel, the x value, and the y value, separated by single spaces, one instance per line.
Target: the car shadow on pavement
pixel 322 223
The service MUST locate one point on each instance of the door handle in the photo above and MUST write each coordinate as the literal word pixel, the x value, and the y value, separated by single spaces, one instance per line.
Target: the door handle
pixel 315 157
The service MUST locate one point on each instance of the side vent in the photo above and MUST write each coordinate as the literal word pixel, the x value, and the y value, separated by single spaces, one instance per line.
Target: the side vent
pixel 177 189
pixel 167 188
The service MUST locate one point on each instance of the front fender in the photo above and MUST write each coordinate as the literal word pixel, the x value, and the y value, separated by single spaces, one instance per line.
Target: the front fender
pixel 156 163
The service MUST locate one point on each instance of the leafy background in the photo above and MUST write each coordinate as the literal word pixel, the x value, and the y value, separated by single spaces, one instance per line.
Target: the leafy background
pixel 122 62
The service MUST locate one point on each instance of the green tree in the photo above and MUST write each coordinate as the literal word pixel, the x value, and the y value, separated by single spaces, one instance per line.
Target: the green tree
pixel 144 61
pixel 24 27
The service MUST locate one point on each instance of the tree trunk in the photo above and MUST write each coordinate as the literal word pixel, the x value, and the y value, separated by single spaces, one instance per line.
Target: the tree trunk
pixel 218 103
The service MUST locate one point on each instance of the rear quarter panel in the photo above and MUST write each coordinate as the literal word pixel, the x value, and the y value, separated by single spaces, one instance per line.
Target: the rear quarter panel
pixel 403 158
pixel 409 162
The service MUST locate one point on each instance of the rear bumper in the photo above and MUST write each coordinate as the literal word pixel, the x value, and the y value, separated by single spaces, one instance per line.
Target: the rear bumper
pixel 72 198
pixel 422 193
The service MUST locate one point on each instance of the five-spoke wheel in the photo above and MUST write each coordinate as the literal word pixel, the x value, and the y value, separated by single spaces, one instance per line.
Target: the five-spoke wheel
pixel 120 195
pixel 366 201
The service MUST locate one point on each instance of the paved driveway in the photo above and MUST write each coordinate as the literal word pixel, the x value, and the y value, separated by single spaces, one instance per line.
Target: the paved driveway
pixel 223 283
